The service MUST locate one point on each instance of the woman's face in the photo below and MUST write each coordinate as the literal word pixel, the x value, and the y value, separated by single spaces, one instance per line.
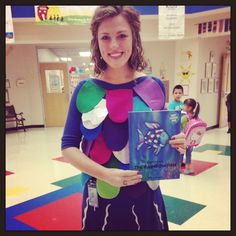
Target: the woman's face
pixel 115 41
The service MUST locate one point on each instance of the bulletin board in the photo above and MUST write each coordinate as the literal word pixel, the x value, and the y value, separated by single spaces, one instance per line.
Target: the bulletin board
pixel 166 84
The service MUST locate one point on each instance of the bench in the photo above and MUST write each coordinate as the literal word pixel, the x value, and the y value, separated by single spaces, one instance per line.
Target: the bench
pixel 12 116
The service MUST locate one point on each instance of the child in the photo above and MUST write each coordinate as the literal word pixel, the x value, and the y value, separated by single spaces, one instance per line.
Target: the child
pixel 176 104
pixel 192 109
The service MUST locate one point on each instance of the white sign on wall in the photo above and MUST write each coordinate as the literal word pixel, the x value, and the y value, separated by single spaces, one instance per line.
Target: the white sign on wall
pixel 171 22
pixel 9 26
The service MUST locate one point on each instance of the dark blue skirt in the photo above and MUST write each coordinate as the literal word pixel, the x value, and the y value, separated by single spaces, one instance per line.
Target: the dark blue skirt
pixel 136 207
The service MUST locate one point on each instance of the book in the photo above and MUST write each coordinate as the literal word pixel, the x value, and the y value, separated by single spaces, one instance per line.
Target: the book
pixel 149 148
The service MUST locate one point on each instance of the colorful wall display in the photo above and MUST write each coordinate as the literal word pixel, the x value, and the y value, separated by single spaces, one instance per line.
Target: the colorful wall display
pixel 216 26
pixel 63 15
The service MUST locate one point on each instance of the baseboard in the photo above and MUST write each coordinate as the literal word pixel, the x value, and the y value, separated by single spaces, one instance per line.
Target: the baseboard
pixel 26 127
pixel 212 127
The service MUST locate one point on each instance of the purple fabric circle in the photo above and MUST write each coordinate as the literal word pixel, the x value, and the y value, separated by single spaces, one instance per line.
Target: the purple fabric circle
pixel 86 146
pixel 90 134
pixel 115 134
pixel 151 93
pixel 136 190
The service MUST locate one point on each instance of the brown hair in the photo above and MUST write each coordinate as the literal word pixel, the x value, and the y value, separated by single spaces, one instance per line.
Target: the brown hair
pixel 136 60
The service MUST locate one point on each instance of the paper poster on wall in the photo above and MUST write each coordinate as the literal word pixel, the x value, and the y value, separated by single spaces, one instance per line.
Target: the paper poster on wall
pixel 167 88
pixel 7 97
pixel 9 34
pixel 162 71
pixel 208 66
pixel 213 70
pixel 210 85
pixel 212 56
pixel 63 15
pixel 186 89
pixel 216 85
pixel 204 85
pixel 171 22
pixel 54 81
pixel 185 74
pixel 188 54
pixel 148 68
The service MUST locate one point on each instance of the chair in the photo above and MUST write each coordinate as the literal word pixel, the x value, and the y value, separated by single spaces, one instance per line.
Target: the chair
pixel 11 116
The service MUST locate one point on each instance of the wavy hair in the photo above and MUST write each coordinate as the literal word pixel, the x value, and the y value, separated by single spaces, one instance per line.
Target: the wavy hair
pixel 136 60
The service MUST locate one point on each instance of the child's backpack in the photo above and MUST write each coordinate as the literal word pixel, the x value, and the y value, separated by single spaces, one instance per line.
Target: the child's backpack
pixel 194 131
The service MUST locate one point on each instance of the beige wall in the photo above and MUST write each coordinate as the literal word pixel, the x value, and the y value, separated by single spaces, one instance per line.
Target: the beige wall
pixel 209 101
pixel 22 63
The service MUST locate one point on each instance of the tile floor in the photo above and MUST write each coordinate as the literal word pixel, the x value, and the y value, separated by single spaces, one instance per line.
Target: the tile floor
pixel 41 188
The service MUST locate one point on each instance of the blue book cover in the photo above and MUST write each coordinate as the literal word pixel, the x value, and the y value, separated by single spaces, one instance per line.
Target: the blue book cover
pixel 150 151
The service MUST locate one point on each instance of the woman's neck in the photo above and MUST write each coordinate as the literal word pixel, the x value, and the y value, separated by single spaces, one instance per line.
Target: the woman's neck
pixel 118 76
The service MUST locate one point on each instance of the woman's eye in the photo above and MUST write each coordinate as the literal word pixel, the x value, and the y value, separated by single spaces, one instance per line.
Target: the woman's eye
pixel 104 37
pixel 122 35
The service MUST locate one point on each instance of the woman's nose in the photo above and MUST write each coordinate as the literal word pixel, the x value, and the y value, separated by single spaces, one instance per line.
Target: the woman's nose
pixel 114 43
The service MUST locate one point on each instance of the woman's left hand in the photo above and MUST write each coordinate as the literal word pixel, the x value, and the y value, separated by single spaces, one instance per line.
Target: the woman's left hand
pixel 179 142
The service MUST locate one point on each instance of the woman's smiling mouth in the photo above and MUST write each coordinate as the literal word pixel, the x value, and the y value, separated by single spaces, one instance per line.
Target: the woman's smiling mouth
pixel 115 55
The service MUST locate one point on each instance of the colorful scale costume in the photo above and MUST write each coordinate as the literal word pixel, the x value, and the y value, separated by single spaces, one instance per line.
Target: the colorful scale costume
pixel 98 116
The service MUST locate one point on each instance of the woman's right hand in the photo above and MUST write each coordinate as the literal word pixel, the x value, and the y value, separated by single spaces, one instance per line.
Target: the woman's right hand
pixel 121 178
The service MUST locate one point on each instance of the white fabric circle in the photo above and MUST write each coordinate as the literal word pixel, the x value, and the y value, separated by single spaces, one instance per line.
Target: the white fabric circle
pixel 123 155
pixel 95 117
pixel 153 184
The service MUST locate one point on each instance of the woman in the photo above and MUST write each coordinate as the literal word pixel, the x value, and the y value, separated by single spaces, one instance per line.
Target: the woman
pixel 114 198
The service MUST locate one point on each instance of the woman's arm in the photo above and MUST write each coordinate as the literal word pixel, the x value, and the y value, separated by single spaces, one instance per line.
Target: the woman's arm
pixel 114 177
pixel 83 163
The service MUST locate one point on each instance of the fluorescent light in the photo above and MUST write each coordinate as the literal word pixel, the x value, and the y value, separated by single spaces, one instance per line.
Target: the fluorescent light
pixel 85 54
pixel 65 58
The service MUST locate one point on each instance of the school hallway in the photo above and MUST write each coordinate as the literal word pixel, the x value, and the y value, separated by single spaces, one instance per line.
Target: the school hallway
pixel 44 192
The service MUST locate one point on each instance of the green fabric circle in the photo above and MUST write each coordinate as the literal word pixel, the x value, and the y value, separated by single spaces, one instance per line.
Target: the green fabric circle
pixel 106 190
pixel 113 163
pixel 139 105
pixel 89 96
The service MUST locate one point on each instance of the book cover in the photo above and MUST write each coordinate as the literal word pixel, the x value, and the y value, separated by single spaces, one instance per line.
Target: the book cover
pixel 150 151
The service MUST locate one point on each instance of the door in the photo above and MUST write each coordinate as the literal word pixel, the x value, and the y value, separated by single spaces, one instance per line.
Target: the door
pixel 224 89
pixel 55 93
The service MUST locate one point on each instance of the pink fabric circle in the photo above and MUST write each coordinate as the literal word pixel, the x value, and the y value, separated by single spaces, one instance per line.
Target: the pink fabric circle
pixel 119 103
pixel 99 152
